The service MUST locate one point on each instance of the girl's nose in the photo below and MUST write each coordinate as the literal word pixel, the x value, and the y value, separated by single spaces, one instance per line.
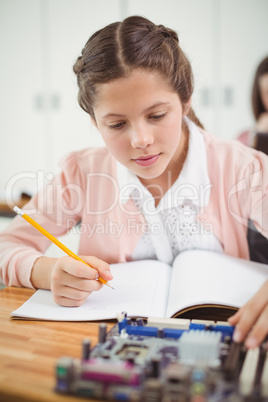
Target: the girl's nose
pixel 141 137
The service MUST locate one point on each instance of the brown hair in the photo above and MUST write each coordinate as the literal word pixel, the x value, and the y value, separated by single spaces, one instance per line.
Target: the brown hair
pixel 257 105
pixel 135 43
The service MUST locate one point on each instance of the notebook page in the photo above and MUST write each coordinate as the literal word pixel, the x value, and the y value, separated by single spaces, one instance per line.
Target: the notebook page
pixel 141 289
pixel 205 277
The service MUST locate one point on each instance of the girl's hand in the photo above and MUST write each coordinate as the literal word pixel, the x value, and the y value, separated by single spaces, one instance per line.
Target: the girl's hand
pixel 251 320
pixel 72 281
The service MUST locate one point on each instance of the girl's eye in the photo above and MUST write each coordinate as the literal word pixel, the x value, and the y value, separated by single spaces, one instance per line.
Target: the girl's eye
pixel 116 126
pixel 158 116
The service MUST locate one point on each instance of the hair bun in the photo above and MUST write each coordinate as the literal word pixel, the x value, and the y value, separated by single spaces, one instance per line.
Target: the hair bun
pixel 167 32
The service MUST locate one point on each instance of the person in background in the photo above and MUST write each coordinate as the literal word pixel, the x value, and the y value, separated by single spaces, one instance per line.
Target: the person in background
pixel 259 100
pixel 160 186
pixel 258 244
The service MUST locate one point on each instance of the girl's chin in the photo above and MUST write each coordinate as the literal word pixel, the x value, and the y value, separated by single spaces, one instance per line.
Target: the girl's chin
pixel 149 175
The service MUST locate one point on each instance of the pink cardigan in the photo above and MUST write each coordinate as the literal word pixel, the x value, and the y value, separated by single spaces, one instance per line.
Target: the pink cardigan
pixel 87 191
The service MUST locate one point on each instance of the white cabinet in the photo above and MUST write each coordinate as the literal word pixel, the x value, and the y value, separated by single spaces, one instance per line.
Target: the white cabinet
pixel 71 23
pixel 21 124
pixel 40 117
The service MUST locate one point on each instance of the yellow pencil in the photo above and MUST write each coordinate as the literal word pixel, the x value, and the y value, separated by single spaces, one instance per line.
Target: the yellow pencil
pixel 54 240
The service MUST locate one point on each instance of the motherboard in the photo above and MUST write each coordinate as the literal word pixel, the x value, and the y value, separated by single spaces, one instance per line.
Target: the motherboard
pixel 166 360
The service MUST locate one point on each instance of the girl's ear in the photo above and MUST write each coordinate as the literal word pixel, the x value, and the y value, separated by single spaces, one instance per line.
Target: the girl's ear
pixel 187 107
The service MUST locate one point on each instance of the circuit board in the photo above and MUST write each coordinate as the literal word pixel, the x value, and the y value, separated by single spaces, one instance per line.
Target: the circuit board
pixel 166 360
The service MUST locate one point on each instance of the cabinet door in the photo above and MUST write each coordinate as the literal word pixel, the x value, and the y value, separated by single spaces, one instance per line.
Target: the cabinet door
pixel 244 43
pixel 40 117
pixel 21 123
pixel 70 24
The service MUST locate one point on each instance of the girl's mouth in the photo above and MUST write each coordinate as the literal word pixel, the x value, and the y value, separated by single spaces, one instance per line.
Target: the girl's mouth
pixel 147 160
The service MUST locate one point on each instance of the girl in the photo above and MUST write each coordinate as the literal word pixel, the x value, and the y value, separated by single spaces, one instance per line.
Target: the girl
pixel 162 184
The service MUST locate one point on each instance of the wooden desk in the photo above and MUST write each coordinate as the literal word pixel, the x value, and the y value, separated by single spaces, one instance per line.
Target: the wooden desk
pixel 29 350
pixel 7 209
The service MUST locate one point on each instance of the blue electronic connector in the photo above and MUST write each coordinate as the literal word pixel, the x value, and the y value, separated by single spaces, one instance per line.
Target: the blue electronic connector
pixel 144 330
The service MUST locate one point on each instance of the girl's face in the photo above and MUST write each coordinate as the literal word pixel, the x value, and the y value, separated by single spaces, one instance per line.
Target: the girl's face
pixel 263 85
pixel 140 120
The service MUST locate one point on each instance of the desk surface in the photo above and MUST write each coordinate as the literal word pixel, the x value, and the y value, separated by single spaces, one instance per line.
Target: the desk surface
pixel 29 350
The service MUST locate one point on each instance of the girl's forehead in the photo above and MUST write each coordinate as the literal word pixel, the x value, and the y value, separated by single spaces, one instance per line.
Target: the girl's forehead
pixel 139 92
pixel 139 75
pixel 137 82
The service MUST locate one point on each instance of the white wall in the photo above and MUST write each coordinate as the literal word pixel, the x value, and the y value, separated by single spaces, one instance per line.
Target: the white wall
pixel 40 40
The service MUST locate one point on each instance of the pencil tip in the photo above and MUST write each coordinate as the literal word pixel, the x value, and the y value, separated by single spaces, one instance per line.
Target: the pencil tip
pixel 108 284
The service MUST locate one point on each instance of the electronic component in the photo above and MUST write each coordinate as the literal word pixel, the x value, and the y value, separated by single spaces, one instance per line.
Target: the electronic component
pixel 264 378
pixel 200 347
pixel 166 360
pixel 248 372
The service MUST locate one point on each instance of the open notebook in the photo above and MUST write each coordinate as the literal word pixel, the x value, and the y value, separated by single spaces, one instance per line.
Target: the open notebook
pixel 197 279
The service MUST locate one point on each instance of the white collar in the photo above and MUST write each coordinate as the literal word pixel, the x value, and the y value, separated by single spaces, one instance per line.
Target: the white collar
pixel 193 182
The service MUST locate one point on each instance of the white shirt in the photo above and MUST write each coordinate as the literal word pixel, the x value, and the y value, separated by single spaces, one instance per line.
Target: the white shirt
pixel 172 226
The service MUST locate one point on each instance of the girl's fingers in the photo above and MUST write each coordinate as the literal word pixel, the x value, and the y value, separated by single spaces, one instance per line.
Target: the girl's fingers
pixel 77 269
pixel 101 266
pixel 91 269
pixel 70 296
pixel 250 314
pixel 72 281
pixel 259 331
pixel 64 282
pixel 62 278
pixel 235 317
pixel 66 302
pixel 86 285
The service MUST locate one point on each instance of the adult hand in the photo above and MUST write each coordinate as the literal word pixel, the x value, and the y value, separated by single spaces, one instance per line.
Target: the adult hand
pixel 73 281
pixel 251 320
